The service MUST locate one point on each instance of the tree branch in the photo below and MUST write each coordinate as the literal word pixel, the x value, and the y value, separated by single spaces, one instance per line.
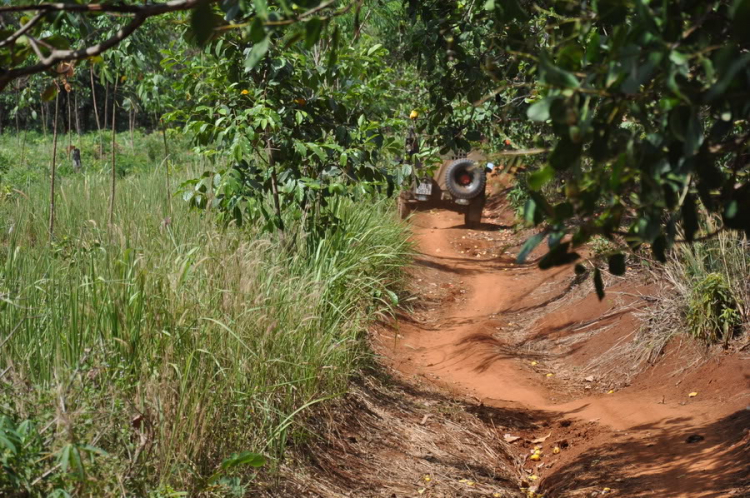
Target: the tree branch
pixel 313 11
pixel 142 13
pixel 97 7
pixel 24 29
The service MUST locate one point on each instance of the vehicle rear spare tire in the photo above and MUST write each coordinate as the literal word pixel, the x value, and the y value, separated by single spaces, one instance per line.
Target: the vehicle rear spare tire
pixel 464 179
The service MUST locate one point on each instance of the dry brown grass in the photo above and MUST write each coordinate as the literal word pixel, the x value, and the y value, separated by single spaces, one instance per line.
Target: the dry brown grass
pixel 390 439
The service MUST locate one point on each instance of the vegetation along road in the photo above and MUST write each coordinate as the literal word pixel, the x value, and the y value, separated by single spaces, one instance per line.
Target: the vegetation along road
pixel 375 248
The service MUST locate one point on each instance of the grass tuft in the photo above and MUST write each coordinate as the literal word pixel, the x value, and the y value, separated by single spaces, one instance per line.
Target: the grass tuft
pixel 706 293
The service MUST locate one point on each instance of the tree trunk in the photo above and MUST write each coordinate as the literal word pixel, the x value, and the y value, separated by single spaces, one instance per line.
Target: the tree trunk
pixel 70 136
pixel 54 170
pixel 114 155
pixel 18 102
pixel 131 118
pixel 164 136
pixel 274 185
pixel 96 112
pixel 23 146
pixel 44 120
pixel 106 105
pixel 78 121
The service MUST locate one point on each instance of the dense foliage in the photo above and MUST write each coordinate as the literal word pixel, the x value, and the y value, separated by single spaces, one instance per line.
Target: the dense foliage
pixel 642 108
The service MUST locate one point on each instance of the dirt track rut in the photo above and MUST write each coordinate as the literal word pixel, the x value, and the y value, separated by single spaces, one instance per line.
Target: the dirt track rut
pixel 629 442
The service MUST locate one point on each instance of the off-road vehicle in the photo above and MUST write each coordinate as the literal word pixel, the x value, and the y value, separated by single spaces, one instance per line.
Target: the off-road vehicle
pixel 458 184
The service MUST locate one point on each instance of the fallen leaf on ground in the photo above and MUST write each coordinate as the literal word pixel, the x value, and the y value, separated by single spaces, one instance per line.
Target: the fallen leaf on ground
pixel 534 363
pixel 556 450
pixel 611 391
pixel 535 457
pixel 510 438
pixel 541 439
pixel 692 395
pixel 550 375
pixel 590 378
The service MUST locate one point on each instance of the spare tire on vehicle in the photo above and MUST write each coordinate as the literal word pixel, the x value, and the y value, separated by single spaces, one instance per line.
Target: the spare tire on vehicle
pixel 464 179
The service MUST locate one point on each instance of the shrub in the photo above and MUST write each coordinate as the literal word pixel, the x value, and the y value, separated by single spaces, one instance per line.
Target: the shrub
pixel 712 309
pixel 708 288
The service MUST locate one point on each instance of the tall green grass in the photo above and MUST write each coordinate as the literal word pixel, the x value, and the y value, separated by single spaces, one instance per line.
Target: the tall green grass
pixel 27 161
pixel 170 343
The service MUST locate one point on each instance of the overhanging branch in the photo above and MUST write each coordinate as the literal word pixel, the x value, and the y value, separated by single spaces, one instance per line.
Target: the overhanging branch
pixel 142 13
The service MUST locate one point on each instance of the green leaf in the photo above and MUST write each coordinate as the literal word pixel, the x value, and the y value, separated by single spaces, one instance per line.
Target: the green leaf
pixel 617 264
pixel 374 49
pixel 539 111
pixel 570 56
pixel 231 9
pixel 393 296
pixel 553 75
pixel 344 159
pixel 598 284
pixel 539 178
pixel 678 58
pixel 613 11
pixel 333 47
pixel 558 256
pixel 257 30
pixel 64 458
pixel 58 42
pixel 49 93
pixel 694 134
pixel 312 31
pixel 202 22
pixel 741 20
pixel 261 8
pixel 258 51
pixel 727 78
pixel 489 5
pixel 593 49
pixel 6 443
pixel 244 458
pixel 566 154
pixel 529 246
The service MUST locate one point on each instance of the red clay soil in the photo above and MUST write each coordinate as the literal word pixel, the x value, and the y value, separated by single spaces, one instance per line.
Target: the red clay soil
pixel 516 339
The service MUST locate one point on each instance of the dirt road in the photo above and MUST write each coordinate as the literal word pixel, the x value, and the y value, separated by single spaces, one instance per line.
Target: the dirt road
pixel 473 334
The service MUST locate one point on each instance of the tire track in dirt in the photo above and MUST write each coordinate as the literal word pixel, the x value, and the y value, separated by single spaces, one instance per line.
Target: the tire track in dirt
pixel 458 343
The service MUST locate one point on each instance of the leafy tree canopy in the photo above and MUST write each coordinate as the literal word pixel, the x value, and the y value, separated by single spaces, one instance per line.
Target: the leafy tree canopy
pixel 636 110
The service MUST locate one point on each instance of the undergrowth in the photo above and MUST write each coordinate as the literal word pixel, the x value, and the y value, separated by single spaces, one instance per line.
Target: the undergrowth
pixel 136 358
pixel 706 293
